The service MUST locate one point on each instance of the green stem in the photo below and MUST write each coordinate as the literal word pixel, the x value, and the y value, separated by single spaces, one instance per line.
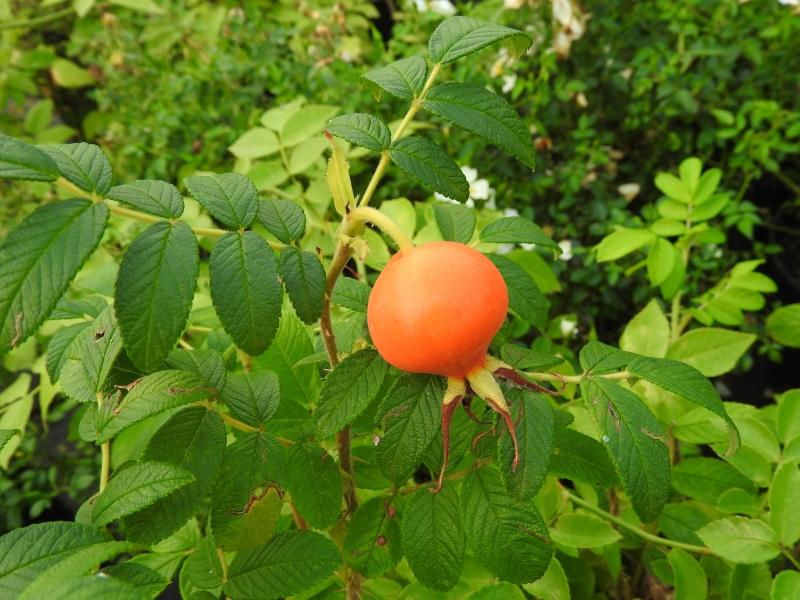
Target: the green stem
pixel 37 20
pixel 557 378
pixel 787 553
pixel 105 452
pixel 367 214
pixel 634 529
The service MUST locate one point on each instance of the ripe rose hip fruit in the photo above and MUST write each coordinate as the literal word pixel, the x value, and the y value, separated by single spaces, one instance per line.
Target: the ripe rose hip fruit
pixel 435 309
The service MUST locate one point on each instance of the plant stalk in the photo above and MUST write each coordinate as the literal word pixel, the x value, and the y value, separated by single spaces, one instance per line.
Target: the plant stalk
pixel 32 22
pixel 105 453
pixel 367 214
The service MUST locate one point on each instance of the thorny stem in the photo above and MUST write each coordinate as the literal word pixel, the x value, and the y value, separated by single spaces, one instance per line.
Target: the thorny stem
pixel 105 453
pixel 633 528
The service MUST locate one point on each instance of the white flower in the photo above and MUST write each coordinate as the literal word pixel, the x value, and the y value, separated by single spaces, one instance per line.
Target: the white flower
pixel 479 189
pixel 441 7
pixel 504 248
pixel 528 247
pixel 789 2
pixel 566 249
pixel 513 4
pixel 629 191
pixel 511 212
pixel 568 327
pixel 509 81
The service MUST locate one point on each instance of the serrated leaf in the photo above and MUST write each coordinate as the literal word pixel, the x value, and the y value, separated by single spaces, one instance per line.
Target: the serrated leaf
pixel 91 587
pixel 6 435
pixel 136 487
pixel 304 278
pixel 509 537
pixel 635 443
pixel 784 497
pixel 255 143
pixel 152 394
pixel 711 350
pixel 362 130
pixel 154 291
pixel 413 412
pixel 457 37
pixel 431 166
pixel 516 230
pixel 57 348
pixel 403 78
pixel 348 390
pixel 203 567
pixel 687 382
pixel 580 458
pixel 524 359
pixel 288 564
pixel 230 198
pixel 622 242
pixel 157 198
pixel 372 544
pixel 314 481
pixel 83 164
pixel 706 479
pixel 19 160
pixel 741 540
pixel 476 109
pixel 283 218
pixel 245 289
pixel 533 420
pixel 580 530
pixel 351 293
pixel 598 358
pixel 89 358
pixel 338 178
pixel 647 333
pixel 252 397
pixel 456 223
pixel 40 256
pixel 690 578
pixel 524 297
pixel 433 537
pixel 142 578
pixel 209 364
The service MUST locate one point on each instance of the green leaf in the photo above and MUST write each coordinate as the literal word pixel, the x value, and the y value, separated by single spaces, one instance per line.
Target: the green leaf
pixel 230 198
pixel 289 563
pixel 706 479
pixel 509 537
pixel 523 359
pixel 647 333
pixel 304 279
pixel 456 223
pixel 660 260
pixel 602 358
pixel 476 109
pixel 674 188
pixel 687 382
pixel 362 130
pixel 403 78
pixel 255 143
pixel 741 540
pixel 534 425
pixel 309 121
pixel 155 287
pixel 348 390
pixel 40 256
pixel 19 160
pixel 431 166
pixel 136 487
pixel 252 397
pixel 786 586
pixel 580 458
pixel 27 552
pixel 314 481
pixel 783 325
pixel 784 498
pixel 635 443
pixel 283 218
pixel 144 579
pixel 553 585
pixel 524 297
pixel 351 293
pixel 6 435
pixel 245 289
pixel 90 357
pixel 433 537
pixel 152 394
pixel 580 530
pixel 83 164
pixel 690 579
pixel 209 364
pixel 788 416
pixel 413 412
pixel 707 185
pixel 203 567
pixel 457 37
pixel 516 230
pixel 372 544
pixel 157 198
pixel 621 243
pixel 91 587
pixel 711 350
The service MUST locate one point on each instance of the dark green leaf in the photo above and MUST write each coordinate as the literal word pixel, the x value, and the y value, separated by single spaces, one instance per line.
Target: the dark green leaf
pixel 706 479
pixel 601 358
pixel 19 160
pixel 456 223
pixel 142 578
pixel 434 538
pixel 92 587
pixel 283 218
pixel 288 564
pixel 516 230
pixel 209 364
pixel 83 164
pixel 315 484
pixel 403 78
pixel 461 36
pixel 523 359
pixel 40 257
pixel 155 287
pixel 506 535
pixel 372 544
pixel 363 130
pixel 430 165
pixel 57 348
pixel 203 566
pixel 304 278
pixel 348 390
pixel 351 293
pixel 524 297
pixel 252 397
pixel 478 110
pixel 245 289
pixel 6 435
pixel 580 458
pixel 230 198
pixel 157 198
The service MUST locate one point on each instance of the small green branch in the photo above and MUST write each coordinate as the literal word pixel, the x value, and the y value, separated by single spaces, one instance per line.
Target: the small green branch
pixel 367 214
pixel 105 452
pixel 633 528
pixel 33 22
pixel 790 557
pixel 576 379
